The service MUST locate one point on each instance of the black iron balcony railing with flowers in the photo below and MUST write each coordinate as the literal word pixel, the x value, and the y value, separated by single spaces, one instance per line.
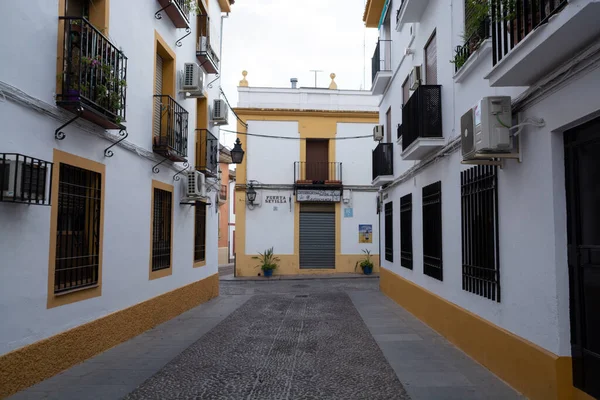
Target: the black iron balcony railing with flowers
pixel 422 115
pixel 204 52
pixel 383 160
pixel 177 10
pixel 471 45
pixel 92 75
pixel 514 20
pixel 171 140
pixel 207 146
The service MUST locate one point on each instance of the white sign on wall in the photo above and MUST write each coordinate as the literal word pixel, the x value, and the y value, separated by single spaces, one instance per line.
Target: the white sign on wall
pixel 318 195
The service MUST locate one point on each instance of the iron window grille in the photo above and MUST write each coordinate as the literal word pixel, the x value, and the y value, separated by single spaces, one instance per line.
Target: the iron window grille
pixel 162 229
pixel 389 231
pixel 480 255
pixel 432 231
pixel 77 228
pixel 25 179
pixel 200 232
pixel 406 245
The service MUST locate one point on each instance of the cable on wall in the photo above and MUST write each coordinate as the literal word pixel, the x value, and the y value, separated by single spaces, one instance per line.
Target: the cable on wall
pixel 293 138
pixel 232 110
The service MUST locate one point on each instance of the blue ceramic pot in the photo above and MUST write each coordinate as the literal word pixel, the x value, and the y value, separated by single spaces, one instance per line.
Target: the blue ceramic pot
pixel 268 272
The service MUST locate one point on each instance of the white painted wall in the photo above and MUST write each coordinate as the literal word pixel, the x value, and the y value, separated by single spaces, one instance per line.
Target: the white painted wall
pixel 24 241
pixel 364 212
pixel 271 224
pixel 354 154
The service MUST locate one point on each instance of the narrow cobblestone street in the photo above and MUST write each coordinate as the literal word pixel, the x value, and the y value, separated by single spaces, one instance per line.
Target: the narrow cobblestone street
pixel 286 339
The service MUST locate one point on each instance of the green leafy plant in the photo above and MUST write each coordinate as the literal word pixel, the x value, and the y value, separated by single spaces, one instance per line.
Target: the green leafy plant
pixel 267 260
pixel 459 59
pixel 109 86
pixel 365 262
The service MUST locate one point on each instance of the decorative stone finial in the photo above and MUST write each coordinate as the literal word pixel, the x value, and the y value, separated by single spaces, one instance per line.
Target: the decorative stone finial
pixel 244 82
pixel 332 85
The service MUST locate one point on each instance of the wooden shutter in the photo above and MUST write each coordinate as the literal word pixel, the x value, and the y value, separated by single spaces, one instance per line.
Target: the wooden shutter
pixel 158 88
pixel 388 125
pixel 431 61
pixel 405 92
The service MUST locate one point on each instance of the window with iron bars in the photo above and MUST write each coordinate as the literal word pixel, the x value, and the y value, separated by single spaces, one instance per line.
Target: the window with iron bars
pixel 162 229
pixel 200 232
pixel 480 255
pixel 432 231
pixel 389 231
pixel 406 252
pixel 77 229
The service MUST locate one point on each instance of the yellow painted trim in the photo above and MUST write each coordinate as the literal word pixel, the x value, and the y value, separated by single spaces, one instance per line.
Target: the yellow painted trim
pixel 169 64
pixel 31 364
pixel 225 6
pixel 281 112
pixel 166 271
pixel 99 15
pixel 372 14
pixel 53 300
pixel 530 369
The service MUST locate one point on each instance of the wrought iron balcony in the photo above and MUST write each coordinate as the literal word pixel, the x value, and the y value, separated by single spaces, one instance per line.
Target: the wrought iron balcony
pixel 208 58
pixel 171 136
pixel 463 52
pixel 317 173
pixel 177 10
pixel 383 163
pixel 92 75
pixel 399 132
pixel 25 179
pixel 422 122
pixel 207 147
pixel 381 66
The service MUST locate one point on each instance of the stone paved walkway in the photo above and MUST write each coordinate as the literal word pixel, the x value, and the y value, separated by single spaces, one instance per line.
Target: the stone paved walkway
pixel 340 339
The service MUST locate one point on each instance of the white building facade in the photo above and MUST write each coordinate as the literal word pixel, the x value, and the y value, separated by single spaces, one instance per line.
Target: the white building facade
pixel 101 240
pixel 492 248
pixel 313 192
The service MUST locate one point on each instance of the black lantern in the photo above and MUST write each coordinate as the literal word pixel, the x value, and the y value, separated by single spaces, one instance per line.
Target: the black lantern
pixel 251 193
pixel 237 153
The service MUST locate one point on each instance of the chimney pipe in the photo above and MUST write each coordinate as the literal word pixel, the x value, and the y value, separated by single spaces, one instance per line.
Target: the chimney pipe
pixel 294 82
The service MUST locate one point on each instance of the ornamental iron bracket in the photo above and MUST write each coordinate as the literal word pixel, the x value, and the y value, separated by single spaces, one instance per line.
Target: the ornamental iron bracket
pixel 188 33
pixel 210 85
pixel 58 133
pixel 186 166
pixel 108 152
pixel 155 167
pixel 157 15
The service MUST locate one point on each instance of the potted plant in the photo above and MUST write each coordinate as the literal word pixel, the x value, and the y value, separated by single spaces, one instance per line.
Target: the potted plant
pixel 268 262
pixel 366 264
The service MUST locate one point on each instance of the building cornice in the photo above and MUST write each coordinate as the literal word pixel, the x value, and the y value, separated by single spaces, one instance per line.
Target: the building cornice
pixel 372 14
pixel 306 113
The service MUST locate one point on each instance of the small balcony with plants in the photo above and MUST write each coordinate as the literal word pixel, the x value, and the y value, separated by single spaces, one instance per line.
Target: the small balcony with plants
pixel 208 58
pixel 170 129
pixel 92 74
pixel 383 164
pixel 531 38
pixel 381 66
pixel 178 11
pixel 422 123
pixel 477 43
pixel 317 174
pixel 207 147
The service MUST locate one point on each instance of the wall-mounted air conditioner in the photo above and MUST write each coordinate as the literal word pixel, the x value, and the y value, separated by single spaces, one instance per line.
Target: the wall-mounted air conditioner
pixel 378 133
pixel 196 185
pixel 219 112
pixel 192 80
pixel 484 128
pixel 415 78
pixel 22 180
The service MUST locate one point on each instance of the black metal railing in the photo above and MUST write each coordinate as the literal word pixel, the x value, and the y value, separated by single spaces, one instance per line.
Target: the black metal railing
pixel 382 58
pixel 184 7
pixel 317 172
pixel 78 228
pixel 200 232
pixel 162 229
pixel 422 115
pixel 399 131
pixel 513 21
pixel 172 135
pixel 472 43
pixel 383 160
pixel 25 179
pixel 480 255
pixel 432 231
pixel 389 231
pixel 223 193
pixel 93 73
pixel 207 147
pixel 204 51
pixel 406 246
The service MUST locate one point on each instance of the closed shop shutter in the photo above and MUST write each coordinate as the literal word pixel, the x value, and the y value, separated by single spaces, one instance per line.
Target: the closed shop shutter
pixel 158 85
pixel 317 239
pixel 431 61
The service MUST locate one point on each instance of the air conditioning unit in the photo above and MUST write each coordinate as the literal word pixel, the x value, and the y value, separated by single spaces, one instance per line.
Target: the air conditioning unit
pixel 196 185
pixel 193 80
pixel 23 180
pixel 415 78
pixel 378 133
pixel 219 112
pixel 484 127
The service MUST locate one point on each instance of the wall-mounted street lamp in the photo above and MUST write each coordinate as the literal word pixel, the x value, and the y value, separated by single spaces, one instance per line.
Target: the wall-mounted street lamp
pixel 251 193
pixel 237 153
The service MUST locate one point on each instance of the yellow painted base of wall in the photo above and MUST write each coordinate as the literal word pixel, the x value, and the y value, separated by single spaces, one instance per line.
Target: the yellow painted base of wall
pixel 223 255
pixel 530 369
pixel 290 265
pixel 31 364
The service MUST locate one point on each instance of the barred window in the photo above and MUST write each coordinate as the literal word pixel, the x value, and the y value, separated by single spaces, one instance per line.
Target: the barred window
pixel 406 252
pixel 78 228
pixel 200 232
pixel 480 255
pixel 432 231
pixel 161 229
pixel 389 231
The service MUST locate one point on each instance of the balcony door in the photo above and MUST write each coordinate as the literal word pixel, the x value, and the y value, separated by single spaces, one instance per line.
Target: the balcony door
pixel 431 61
pixel 317 160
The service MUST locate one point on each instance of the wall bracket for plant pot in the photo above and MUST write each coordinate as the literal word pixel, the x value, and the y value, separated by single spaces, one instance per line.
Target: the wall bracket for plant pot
pixel 108 152
pixel 186 166
pixel 157 15
pixel 58 133
pixel 188 33
pixel 155 167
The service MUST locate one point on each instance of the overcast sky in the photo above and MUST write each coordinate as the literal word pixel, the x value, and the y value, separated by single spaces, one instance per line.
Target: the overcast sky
pixel 275 40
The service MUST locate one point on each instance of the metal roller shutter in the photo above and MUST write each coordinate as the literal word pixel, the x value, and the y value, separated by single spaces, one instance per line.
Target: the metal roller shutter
pixel 431 61
pixel 158 87
pixel 317 240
